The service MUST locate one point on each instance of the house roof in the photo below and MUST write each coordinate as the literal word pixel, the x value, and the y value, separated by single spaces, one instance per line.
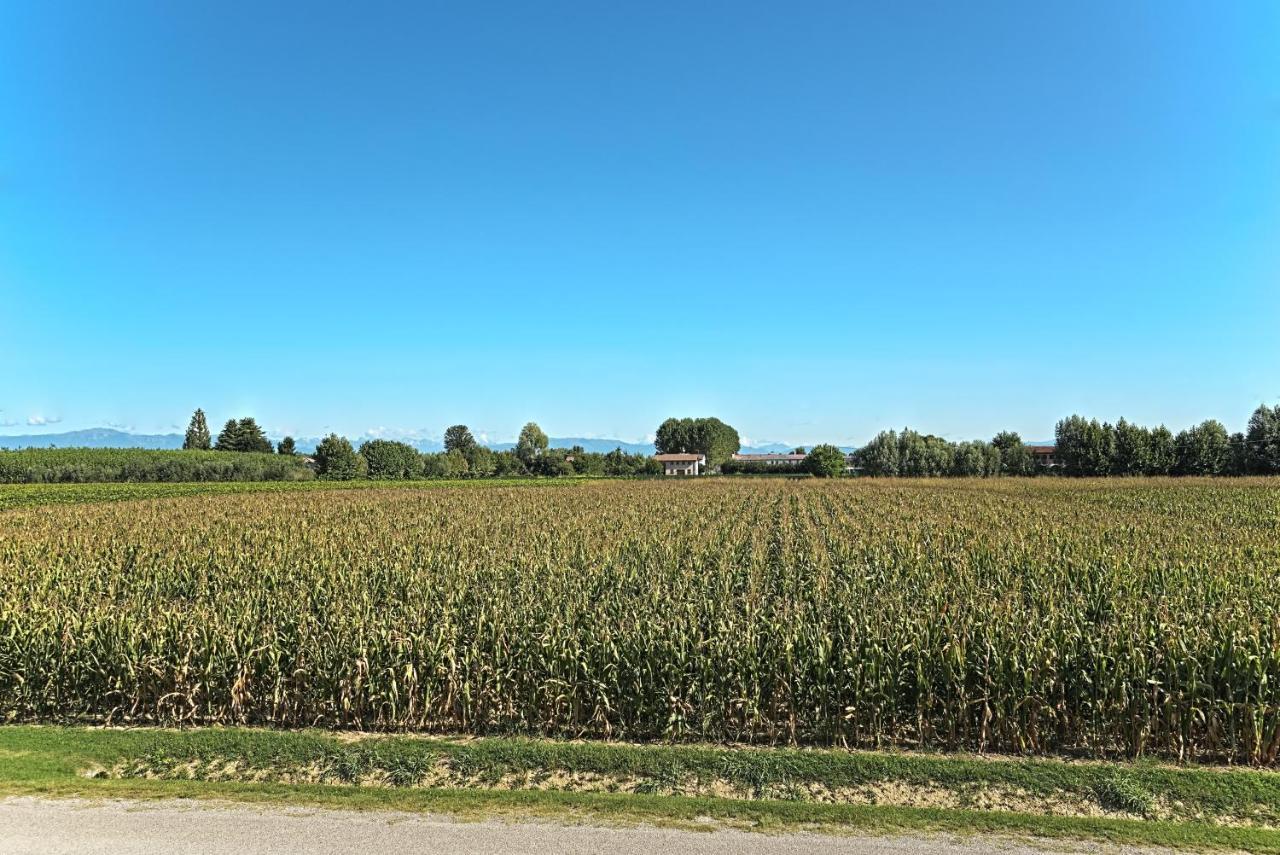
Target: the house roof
pixel 763 458
pixel 1042 449
pixel 677 458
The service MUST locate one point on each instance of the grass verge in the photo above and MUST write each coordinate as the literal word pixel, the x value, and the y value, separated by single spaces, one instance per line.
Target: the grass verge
pixel 700 787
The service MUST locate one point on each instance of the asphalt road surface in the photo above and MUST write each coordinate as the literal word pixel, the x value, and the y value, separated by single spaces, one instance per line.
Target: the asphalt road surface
pixel 52 827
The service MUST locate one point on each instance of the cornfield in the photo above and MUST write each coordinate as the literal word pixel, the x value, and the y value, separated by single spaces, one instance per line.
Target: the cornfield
pixel 1123 617
pixel 118 465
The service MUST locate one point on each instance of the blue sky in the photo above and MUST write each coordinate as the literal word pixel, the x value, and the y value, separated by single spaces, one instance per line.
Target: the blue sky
pixel 813 220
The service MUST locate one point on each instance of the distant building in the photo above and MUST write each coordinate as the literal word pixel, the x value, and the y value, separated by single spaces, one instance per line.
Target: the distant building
pixel 1044 455
pixel 682 464
pixel 771 459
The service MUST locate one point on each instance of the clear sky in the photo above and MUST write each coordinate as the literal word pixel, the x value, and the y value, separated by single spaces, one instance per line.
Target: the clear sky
pixel 814 220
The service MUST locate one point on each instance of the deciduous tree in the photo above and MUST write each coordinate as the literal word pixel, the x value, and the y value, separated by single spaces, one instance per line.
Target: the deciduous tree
pixel 1015 457
pixel 454 463
pixel 709 436
pixel 458 438
pixel 480 461
pixel 531 444
pixel 336 460
pixel 1085 447
pixel 825 461
pixel 879 457
pixel 1204 449
pixel 388 460
pixel 1132 449
pixel 1262 440
pixel 1162 453
pixel 970 460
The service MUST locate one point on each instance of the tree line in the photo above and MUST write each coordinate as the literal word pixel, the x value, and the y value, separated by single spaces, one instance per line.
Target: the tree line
pixel 1085 447
pixel 463 457
pixel 718 442
pixel 236 435
pixel 910 454
pixel 110 465
pixel 1088 447
pixel 336 458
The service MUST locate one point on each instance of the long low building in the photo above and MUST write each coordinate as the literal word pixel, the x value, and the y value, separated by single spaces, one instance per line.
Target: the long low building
pixel 770 459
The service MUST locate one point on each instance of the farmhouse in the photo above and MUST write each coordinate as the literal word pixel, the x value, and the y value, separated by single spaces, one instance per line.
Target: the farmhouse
pixel 682 464
pixel 1044 455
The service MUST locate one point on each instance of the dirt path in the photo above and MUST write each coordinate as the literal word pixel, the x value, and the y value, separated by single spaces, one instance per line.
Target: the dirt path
pixel 51 827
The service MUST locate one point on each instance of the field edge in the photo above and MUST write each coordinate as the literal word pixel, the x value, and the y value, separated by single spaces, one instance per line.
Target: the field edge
pixel 58 762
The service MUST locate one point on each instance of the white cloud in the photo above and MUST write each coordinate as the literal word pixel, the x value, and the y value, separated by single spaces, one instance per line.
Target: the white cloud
pixel 37 420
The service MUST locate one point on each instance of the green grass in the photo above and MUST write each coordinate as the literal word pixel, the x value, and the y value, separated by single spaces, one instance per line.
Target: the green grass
pixel 34 495
pixel 53 761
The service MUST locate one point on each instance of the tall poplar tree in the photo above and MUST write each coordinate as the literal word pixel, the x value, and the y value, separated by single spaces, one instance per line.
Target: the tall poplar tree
pixel 532 444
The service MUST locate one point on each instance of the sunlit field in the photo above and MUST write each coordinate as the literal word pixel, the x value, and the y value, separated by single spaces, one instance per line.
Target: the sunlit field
pixel 1046 616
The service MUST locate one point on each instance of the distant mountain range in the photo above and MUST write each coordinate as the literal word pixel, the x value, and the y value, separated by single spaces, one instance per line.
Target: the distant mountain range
pixel 112 438
pixel 93 438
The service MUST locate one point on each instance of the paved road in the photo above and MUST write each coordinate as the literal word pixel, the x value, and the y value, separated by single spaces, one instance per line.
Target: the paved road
pixel 52 827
